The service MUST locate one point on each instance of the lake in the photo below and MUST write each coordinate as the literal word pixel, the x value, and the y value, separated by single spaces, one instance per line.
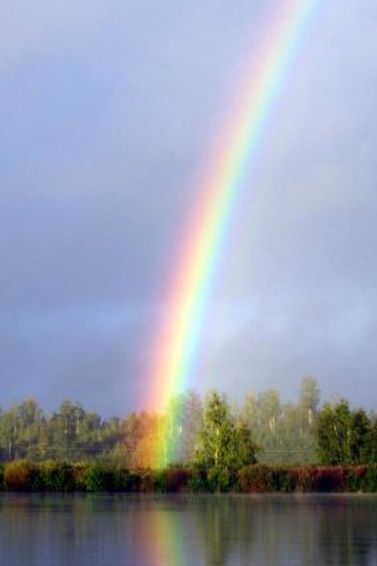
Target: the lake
pixel 153 530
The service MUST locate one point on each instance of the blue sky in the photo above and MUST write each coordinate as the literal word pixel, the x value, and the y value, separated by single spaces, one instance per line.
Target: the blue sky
pixel 108 113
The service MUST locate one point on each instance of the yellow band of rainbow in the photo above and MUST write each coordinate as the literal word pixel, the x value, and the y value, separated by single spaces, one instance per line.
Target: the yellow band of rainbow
pixel 207 228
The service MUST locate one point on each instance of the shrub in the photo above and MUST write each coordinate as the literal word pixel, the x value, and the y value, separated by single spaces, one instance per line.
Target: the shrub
pixel 301 478
pixel 177 479
pixel 147 480
pixel 159 484
pixel 56 476
pixel 78 474
pixel 319 478
pixel 18 475
pixel 133 481
pixel 370 480
pixel 121 479
pixel 329 478
pixel 280 479
pixel 198 483
pixel 254 478
pixel 221 479
pixel 356 478
pixel 21 475
pixel 171 480
pixel 95 478
pixel 1 477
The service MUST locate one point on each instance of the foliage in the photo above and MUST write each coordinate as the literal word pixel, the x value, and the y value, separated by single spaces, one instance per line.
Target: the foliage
pixel 369 450
pixel 56 476
pixel 95 478
pixel 370 483
pixel 21 475
pixel 280 479
pixel 254 479
pixel 177 479
pixel 222 479
pixel 183 421
pixel 283 431
pixel 215 437
pixel 224 447
pixel 345 436
pixel 198 481
pixel 18 475
pixel 356 478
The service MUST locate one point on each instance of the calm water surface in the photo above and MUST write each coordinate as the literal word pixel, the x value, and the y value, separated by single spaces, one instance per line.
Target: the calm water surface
pixel 187 530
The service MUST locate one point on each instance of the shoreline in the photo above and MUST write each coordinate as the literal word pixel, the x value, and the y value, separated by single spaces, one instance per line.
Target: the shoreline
pixel 101 477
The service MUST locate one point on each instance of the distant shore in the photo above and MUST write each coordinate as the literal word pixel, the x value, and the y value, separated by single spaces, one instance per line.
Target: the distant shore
pixel 56 476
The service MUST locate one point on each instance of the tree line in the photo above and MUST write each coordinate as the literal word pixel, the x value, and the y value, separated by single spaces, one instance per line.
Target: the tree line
pixel 211 433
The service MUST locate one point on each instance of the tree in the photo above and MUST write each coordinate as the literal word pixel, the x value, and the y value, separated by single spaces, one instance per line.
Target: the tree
pixel 262 416
pixel 369 453
pixel 344 436
pixel 360 427
pixel 30 422
pixel 309 400
pixel 333 433
pixel 222 444
pixel 182 423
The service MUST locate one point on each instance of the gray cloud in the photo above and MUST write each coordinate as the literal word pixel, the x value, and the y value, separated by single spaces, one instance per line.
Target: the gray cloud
pixel 108 115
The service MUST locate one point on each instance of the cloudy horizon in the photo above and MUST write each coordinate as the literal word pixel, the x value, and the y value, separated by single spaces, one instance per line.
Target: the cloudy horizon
pixel 109 114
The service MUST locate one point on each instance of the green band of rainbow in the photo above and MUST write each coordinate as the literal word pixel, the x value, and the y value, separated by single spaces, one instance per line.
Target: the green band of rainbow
pixel 208 226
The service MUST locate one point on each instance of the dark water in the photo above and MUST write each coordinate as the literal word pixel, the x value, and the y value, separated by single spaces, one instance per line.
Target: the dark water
pixel 194 530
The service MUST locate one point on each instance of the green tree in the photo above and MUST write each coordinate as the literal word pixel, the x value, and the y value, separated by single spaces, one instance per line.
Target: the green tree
pixel 369 452
pixel 333 433
pixel 360 427
pixel 344 436
pixel 223 445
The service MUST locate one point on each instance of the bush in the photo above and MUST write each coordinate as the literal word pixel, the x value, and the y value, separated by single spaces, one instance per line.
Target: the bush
pixel 356 478
pixel 177 479
pixel 198 483
pixel 123 480
pixel 56 476
pixel 329 479
pixel 158 479
pixel 21 475
pixel 219 479
pixel 262 479
pixel 18 475
pixel 147 481
pixel 78 473
pixel 280 479
pixel 255 479
pixel 370 481
pixel 170 480
pixel 319 478
pixel 133 482
pixel 301 477
pixel 95 478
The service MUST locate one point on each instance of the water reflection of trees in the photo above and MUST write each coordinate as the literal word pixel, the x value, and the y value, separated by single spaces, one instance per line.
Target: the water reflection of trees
pixel 224 529
pixel 287 530
pixel 346 529
pixel 189 530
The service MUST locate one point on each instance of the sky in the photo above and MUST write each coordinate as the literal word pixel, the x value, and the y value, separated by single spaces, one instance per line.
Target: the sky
pixel 109 112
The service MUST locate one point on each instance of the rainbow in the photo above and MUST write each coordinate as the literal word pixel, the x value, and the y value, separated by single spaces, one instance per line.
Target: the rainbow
pixel 219 192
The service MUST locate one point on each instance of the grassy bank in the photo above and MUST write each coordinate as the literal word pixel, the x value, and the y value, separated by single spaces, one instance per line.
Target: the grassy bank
pixel 52 476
